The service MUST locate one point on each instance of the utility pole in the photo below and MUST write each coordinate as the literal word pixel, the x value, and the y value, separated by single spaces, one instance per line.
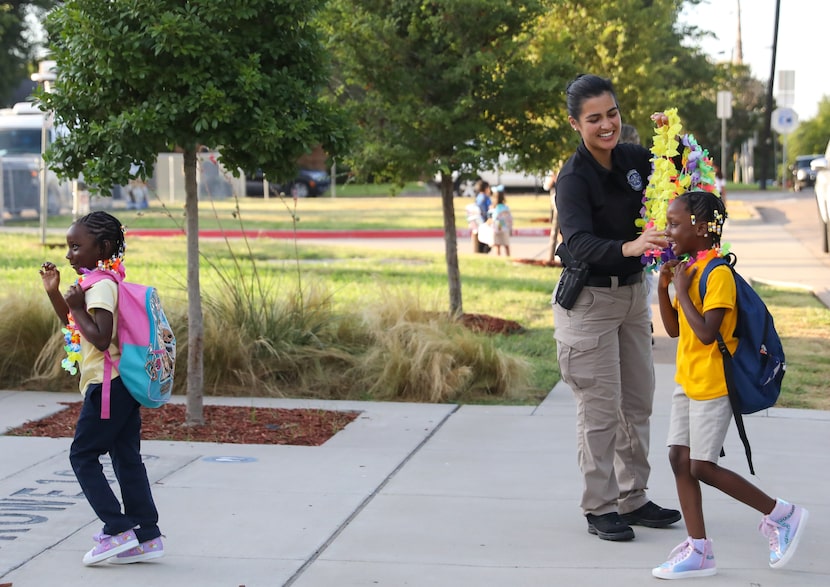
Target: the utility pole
pixel 767 138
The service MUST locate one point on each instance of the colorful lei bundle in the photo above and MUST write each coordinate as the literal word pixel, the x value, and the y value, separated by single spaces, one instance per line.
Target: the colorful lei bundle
pixel 71 333
pixel 666 182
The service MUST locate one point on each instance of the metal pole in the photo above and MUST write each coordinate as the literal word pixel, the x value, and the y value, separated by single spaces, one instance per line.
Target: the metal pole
pixel 2 194
pixel 171 177
pixel 44 203
pixel 723 168
pixel 767 140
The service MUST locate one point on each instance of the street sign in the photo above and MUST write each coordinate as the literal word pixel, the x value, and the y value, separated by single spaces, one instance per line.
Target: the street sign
pixel 786 88
pixel 784 120
pixel 724 110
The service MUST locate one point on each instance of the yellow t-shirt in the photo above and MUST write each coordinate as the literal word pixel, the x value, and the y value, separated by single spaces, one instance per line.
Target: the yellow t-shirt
pixel 700 366
pixel 104 296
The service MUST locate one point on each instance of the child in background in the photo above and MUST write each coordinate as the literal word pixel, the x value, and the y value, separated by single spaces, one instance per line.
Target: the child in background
pixel 701 411
pixel 91 324
pixel 502 221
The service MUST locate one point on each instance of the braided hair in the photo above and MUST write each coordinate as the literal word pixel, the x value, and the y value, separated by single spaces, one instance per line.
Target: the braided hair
pixel 708 207
pixel 107 231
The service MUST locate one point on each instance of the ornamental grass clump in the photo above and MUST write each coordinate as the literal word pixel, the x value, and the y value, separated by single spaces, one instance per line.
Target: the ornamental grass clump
pixel 28 325
pixel 428 357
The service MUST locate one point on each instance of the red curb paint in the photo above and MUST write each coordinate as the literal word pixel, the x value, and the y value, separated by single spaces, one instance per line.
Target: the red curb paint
pixel 322 234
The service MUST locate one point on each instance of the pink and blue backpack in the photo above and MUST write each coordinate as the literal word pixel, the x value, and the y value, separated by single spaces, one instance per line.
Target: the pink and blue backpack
pixel 146 341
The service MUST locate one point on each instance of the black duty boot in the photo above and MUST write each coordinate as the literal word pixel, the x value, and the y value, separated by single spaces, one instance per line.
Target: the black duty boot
pixel 609 527
pixel 651 515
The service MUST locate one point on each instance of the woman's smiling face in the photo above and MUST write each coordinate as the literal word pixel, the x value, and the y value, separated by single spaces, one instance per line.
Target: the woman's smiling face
pixel 599 125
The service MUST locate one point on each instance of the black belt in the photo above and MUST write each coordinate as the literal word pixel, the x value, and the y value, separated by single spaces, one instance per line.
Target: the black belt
pixel 609 280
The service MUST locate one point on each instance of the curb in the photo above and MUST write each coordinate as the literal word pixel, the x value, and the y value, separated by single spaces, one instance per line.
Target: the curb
pixel 324 234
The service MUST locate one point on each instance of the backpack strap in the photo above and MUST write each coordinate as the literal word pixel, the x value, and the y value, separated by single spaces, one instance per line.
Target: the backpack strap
pixel 728 373
pixel 89 280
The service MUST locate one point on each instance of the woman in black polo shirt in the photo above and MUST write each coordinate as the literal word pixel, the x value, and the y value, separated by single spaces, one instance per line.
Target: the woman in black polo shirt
pixel 604 339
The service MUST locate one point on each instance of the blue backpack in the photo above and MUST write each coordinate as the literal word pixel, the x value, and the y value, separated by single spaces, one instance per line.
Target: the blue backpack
pixel 755 371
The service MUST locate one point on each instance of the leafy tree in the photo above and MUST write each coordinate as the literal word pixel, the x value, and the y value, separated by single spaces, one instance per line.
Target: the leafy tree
pixel 137 78
pixel 16 46
pixel 812 135
pixel 444 86
pixel 655 63
pixel 638 45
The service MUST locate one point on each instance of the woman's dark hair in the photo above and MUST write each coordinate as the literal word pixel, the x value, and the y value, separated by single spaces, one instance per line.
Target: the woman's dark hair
pixel 107 232
pixel 708 207
pixel 583 87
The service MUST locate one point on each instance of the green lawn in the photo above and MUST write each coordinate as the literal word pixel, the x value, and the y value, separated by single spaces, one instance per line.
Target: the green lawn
pixel 362 283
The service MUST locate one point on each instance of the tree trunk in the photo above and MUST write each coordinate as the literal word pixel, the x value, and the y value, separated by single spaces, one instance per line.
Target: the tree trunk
pixel 451 245
pixel 194 415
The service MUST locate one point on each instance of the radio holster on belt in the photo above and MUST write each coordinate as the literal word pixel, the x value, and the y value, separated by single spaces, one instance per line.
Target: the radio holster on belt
pixel 572 280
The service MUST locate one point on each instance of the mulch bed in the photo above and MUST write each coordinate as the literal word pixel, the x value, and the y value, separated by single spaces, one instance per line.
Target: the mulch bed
pixel 226 424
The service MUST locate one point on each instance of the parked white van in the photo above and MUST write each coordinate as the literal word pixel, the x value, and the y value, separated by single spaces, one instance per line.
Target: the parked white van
pixel 464 182
pixel 21 129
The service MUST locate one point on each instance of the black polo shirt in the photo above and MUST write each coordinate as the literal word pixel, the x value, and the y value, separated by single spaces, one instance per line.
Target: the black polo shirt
pixel 598 207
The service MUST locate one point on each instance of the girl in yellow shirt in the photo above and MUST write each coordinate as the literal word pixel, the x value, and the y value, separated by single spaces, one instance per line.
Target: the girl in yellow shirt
pixel 701 411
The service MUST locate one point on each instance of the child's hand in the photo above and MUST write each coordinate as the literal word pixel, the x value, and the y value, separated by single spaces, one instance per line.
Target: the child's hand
pixel 683 278
pixel 50 276
pixel 74 298
pixel 667 273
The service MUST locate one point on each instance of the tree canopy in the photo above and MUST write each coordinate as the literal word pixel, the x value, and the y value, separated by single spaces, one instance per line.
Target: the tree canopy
pixel 443 86
pixel 812 135
pixel 17 45
pixel 136 78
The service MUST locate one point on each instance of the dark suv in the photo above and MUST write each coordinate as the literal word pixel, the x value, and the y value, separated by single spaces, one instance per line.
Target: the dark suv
pixel 803 176
pixel 308 184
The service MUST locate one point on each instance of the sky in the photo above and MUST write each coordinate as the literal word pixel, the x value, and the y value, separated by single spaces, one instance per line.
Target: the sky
pixel 803 47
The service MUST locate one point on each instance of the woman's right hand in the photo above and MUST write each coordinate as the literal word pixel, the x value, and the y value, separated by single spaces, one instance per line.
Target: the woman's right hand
pixel 660 119
pixel 649 240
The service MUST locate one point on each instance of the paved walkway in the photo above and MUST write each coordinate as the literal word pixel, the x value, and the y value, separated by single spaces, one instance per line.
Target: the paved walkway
pixel 416 494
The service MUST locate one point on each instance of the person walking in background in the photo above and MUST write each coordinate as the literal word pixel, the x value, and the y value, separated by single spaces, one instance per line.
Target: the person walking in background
pixel 604 340
pixel 483 199
pixel 502 222
pixel 549 186
pixel 629 134
pixel 90 319
pixel 482 240
pixel 701 410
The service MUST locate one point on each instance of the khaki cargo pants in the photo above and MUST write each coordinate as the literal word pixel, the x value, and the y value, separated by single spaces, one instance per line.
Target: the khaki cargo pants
pixel 605 356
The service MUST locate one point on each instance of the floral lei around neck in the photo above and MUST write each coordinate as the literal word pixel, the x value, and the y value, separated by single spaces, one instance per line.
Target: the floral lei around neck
pixel 71 333
pixel 697 173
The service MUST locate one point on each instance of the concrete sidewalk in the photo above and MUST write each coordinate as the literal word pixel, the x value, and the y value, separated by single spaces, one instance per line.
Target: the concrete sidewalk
pixel 408 494
pixel 417 494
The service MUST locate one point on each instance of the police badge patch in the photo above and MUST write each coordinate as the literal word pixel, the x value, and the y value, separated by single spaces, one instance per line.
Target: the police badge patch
pixel 634 180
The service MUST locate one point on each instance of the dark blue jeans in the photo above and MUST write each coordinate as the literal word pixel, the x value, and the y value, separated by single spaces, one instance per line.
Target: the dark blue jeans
pixel 120 436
